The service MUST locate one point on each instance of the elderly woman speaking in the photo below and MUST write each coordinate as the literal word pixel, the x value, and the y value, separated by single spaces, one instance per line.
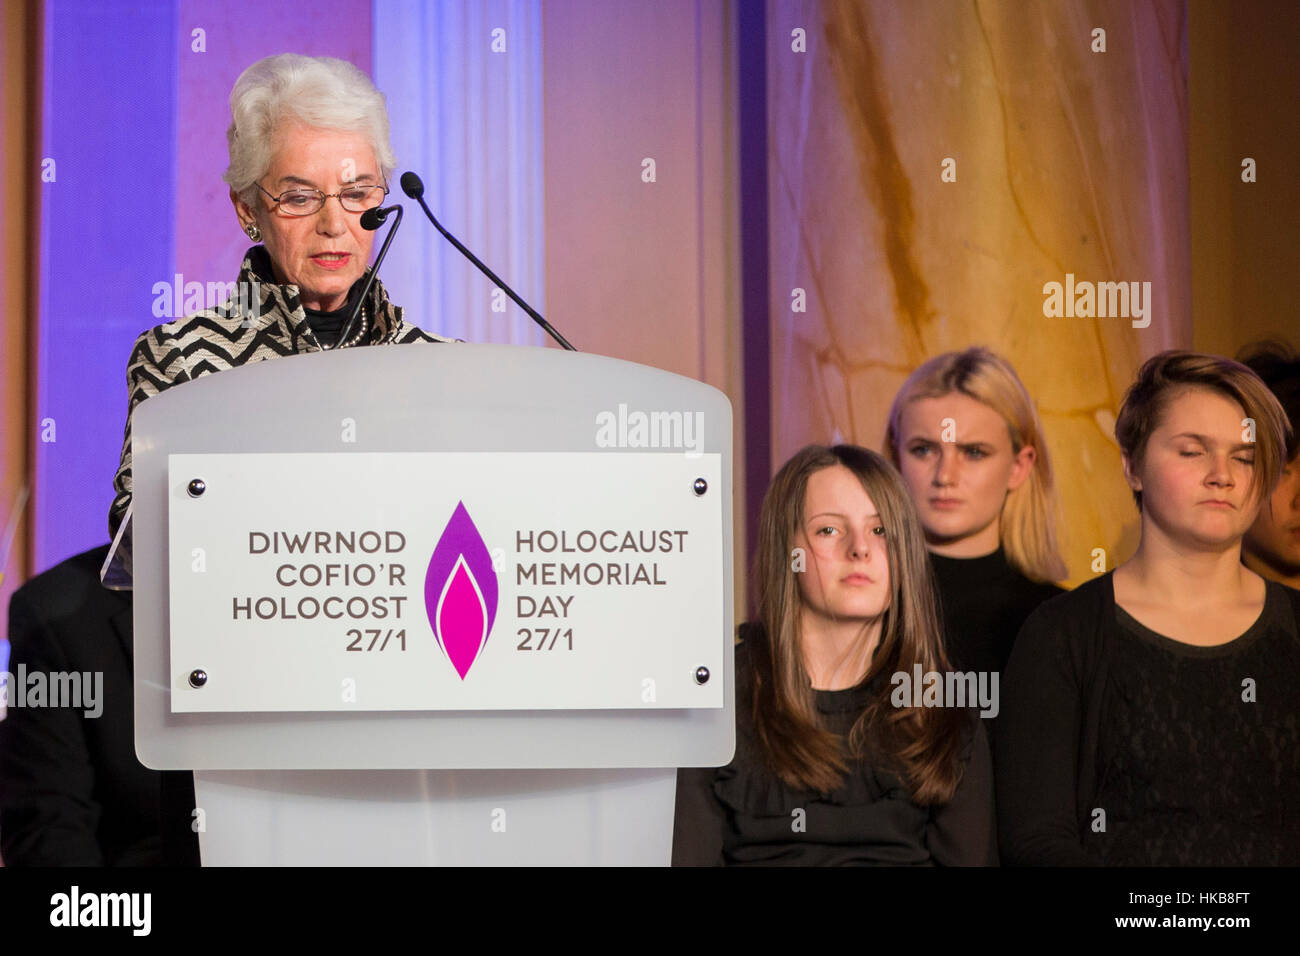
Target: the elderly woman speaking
pixel 309 153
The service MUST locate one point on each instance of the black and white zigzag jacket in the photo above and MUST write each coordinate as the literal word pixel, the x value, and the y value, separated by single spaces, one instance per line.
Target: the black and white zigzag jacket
pixel 234 334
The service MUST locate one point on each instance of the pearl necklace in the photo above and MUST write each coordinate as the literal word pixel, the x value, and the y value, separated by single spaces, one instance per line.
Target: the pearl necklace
pixel 357 336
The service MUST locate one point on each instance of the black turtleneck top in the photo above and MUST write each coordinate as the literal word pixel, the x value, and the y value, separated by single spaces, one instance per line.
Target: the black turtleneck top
pixel 984 601
pixel 328 326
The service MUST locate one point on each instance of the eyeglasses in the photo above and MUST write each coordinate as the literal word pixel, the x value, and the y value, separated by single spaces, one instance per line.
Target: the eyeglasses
pixel 307 202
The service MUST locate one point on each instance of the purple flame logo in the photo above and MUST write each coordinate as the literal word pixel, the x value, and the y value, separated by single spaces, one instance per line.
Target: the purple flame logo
pixel 460 591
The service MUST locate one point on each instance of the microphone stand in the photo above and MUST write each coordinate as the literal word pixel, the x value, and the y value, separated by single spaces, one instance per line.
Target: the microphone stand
pixel 372 219
pixel 414 188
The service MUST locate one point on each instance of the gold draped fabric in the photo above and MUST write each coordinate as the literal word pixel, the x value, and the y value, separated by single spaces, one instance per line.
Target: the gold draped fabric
pixel 1065 161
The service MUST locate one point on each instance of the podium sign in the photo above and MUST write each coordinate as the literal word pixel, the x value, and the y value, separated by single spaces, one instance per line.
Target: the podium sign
pixel 428 581
pixel 519 689
pixel 373 449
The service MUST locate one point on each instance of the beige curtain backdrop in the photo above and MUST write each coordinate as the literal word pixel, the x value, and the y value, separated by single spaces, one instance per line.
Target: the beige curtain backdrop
pixel 20 45
pixel 1066 161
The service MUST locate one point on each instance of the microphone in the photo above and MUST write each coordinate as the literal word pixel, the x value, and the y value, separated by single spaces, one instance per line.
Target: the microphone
pixel 414 188
pixel 371 220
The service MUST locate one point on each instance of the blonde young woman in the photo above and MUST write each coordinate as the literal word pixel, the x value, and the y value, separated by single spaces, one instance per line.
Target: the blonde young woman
pixel 827 770
pixel 964 434
pixel 1152 716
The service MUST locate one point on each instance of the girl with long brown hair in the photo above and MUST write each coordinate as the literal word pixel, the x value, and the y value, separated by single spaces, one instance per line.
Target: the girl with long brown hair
pixel 835 762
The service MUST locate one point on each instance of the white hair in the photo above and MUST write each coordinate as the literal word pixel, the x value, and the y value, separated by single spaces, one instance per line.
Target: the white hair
pixel 318 91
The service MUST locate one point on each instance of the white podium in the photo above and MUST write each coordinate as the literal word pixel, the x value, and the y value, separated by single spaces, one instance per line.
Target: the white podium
pixel 436 604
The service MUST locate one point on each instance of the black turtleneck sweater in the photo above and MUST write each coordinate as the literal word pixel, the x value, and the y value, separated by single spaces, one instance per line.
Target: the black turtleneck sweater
pixel 985 601
pixel 328 326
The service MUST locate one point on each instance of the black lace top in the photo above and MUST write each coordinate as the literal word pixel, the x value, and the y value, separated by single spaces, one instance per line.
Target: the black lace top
pixel 1118 745
pixel 1206 743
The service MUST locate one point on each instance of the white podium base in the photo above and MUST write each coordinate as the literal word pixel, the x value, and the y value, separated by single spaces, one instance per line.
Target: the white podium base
pixel 435 817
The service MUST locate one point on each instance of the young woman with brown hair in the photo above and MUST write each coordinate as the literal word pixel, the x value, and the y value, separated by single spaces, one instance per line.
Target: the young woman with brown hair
pixel 1152 715
pixel 828 770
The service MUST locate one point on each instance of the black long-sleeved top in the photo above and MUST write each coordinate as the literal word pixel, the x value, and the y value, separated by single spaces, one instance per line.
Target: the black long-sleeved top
pixel 1118 745
pixel 742 814
pixel 985 602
